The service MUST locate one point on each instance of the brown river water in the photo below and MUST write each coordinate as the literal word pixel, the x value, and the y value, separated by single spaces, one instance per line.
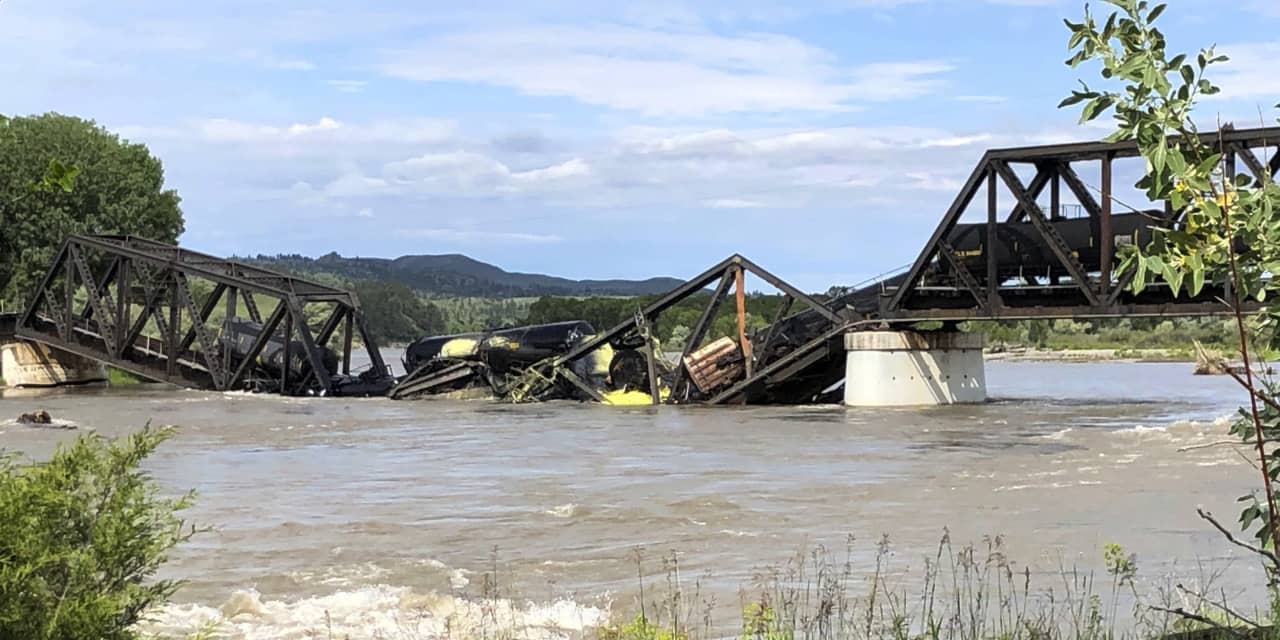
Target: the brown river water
pixel 360 515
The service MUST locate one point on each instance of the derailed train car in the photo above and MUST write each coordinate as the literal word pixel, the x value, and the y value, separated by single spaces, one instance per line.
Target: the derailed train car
pixel 276 364
pixel 490 363
pixel 503 364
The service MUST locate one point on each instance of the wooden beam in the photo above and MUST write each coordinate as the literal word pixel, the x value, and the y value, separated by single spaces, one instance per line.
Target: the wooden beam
pixel 700 331
pixel 740 302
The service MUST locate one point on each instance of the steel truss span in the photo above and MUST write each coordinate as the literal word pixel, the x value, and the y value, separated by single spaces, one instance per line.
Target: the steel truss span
pixel 170 314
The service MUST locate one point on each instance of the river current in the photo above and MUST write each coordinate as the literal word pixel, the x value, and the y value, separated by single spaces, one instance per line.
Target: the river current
pixel 377 518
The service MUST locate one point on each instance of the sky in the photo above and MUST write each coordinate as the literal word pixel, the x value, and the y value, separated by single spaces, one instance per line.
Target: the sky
pixel 822 139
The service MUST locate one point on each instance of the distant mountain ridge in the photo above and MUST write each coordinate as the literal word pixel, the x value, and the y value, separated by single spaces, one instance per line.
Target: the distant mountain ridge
pixel 459 275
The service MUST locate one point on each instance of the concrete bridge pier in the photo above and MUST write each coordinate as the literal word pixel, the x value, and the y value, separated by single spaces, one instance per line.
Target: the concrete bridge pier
pixel 910 368
pixel 28 364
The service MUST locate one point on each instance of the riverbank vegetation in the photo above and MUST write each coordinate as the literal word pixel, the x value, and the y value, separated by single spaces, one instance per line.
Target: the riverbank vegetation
pixel 1173 336
pixel 969 592
pixel 81 538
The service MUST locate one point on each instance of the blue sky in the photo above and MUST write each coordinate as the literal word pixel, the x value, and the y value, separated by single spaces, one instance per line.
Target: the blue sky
pixel 584 139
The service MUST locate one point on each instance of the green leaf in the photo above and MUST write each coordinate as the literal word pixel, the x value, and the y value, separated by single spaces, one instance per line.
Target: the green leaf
pixel 1197 281
pixel 1188 74
pixel 1158 156
pixel 1209 164
pixel 1176 162
pixel 1075 98
pixel 1139 277
pixel 1155 13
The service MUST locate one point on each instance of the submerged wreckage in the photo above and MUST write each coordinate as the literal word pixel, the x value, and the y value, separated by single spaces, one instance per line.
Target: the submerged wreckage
pixel 798 358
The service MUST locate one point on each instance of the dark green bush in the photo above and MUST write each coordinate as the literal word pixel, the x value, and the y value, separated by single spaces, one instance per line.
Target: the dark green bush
pixel 81 538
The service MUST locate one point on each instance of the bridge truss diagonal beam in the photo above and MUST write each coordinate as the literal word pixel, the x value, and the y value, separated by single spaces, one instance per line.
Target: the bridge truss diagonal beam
pixel 152 309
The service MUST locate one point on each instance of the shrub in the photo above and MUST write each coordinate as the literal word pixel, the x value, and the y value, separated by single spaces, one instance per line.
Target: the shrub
pixel 81 537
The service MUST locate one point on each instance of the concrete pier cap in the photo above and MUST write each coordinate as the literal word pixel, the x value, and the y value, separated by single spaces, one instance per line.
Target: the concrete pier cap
pixel 913 368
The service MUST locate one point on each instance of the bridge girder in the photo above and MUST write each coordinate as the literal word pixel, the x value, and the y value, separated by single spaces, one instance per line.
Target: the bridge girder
pixel 149 308
pixel 1087 292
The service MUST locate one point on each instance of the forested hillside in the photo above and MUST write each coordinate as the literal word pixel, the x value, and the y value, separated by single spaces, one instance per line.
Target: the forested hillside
pixel 458 275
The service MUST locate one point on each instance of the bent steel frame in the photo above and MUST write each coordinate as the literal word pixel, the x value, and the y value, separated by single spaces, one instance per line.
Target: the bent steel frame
pixel 763 373
pixel 1085 294
pixel 130 302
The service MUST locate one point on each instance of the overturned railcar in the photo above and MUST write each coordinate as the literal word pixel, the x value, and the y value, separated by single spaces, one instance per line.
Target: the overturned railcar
pixel 490 363
pixel 278 362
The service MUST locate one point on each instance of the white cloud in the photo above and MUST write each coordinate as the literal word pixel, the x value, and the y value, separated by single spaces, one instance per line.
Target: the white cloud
pixel 472 236
pixel 290 64
pixel 365 213
pixel 734 203
pixel 466 173
pixel 662 73
pixel 1250 73
pixel 348 86
pixel 324 130
pixel 574 168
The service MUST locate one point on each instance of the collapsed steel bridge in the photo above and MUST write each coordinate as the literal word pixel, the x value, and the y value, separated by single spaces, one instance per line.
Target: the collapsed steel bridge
pixel 137 309
pixel 1032 261
pixel 148 308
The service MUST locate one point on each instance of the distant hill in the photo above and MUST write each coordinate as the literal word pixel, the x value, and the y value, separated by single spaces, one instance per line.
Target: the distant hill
pixel 459 275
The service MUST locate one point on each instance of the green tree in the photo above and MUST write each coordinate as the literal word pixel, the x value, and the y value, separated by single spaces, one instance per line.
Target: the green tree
pixel 107 186
pixel 81 538
pixel 394 313
pixel 1228 225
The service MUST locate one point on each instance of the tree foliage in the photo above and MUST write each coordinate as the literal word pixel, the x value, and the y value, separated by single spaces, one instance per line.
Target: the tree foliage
pixel 1228 227
pixel 61 175
pixel 604 313
pixel 394 313
pixel 81 538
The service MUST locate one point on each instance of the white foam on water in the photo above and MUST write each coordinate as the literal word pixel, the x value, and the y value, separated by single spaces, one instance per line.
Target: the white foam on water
pixel 1058 435
pixel 1218 463
pixel 739 534
pixel 382 612
pixel 1142 430
pixel 567 510
pixel 340 576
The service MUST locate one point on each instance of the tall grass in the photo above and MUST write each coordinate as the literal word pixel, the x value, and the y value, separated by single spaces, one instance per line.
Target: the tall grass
pixel 973 592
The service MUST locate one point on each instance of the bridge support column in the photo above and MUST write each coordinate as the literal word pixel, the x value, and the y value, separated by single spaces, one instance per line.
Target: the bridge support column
pixel 908 368
pixel 28 364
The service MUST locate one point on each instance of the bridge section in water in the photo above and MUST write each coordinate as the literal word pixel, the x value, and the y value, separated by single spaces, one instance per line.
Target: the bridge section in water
pixel 174 315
